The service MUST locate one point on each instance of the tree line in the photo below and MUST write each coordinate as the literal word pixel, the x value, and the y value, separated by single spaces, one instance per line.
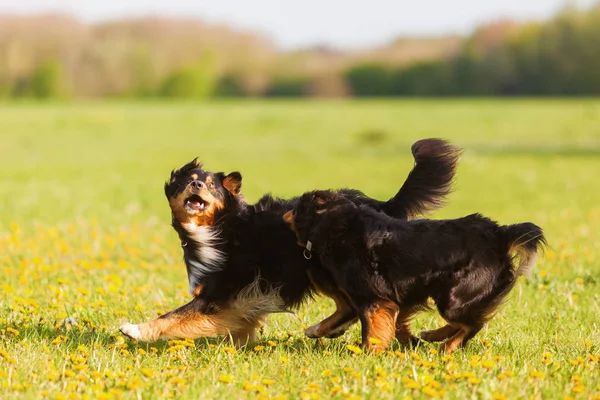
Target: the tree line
pixel 187 59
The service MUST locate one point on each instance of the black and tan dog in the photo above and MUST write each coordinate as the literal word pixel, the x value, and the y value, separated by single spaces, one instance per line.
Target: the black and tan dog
pixel 242 260
pixel 386 269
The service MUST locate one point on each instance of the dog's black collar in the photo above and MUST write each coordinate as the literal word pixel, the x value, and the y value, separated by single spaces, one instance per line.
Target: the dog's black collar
pixel 307 253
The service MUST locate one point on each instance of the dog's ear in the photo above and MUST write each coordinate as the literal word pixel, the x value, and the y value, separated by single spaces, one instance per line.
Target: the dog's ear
pixel 233 183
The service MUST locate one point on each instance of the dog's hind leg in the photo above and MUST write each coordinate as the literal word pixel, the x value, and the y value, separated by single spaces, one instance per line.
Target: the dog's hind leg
pixel 246 334
pixel 440 334
pixel 472 303
pixel 378 324
pixel 403 332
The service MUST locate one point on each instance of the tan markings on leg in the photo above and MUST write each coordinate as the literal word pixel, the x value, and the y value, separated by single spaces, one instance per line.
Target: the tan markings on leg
pixel 440 334
pixel 403 333
pixel 336 324
pixel 335 320
pixel 450 345
pixel 246 335
pixel 248 309
pixel 382 325
pixel 187 326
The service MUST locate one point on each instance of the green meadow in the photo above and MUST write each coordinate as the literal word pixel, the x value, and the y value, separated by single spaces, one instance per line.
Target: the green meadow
pixel 86 243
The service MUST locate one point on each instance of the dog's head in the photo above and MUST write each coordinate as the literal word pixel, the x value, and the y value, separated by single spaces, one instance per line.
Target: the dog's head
pixel 308 216
pixel 197 197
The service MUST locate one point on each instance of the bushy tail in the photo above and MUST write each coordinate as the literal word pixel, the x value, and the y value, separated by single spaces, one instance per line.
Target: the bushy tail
pixel 526 240
pixel 429 182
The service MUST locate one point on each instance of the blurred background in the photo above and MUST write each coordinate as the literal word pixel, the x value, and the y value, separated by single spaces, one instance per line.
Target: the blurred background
pixel 267 48
pixel 100 100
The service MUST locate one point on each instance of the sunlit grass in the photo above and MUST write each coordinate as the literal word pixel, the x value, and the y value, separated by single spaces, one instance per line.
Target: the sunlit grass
pixel 85 243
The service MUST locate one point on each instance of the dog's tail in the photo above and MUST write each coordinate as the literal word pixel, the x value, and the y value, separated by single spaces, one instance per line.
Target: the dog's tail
pixel 525 240
pixel 429 182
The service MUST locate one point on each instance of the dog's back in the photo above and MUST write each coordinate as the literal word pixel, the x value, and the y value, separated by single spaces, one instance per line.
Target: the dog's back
pixel 451 242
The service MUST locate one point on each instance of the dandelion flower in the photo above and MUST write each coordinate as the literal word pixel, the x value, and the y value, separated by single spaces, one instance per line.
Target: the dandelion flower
pixel 354 349
pixel 225 378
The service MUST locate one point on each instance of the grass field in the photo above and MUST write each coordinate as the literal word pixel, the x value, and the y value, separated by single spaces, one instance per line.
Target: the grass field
pixel 85 243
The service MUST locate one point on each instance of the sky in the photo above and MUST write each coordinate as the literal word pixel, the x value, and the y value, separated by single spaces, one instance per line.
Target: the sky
pixel 348 24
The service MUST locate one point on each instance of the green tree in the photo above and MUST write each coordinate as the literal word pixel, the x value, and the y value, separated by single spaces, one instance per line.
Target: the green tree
pixel 193 81
pixel 46 80
pixel 369 80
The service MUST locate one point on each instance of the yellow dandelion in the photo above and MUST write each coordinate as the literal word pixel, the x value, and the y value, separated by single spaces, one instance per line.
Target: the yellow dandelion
pixel 336 389
pixel 313 387
pixel 259 348
pixel 498 396
pixel 229 350
pixel 399 354
pixel 13 331
pixel 577 361
pixel 373 340
pixel 268 381
pixel 326 373
pixel 429 391
pixel 148 372
pixel 579 388
pixel 225 378
pixel 354 349
pixel 474 380
pixel 271 343
pixel 411 384
pixel 284 360
pixel 537 374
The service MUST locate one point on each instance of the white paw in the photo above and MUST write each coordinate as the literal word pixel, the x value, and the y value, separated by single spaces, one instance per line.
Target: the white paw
pixel 130 330
pixel 313 331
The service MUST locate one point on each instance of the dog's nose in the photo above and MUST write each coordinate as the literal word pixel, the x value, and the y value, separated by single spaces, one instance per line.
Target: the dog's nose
pixel 197 185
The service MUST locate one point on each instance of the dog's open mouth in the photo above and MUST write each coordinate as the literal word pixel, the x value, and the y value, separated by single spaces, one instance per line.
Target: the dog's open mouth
pixel 194 203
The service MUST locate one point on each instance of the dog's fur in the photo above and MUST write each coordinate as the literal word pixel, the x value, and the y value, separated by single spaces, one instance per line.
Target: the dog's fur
pixel 242 260
pixel 386 269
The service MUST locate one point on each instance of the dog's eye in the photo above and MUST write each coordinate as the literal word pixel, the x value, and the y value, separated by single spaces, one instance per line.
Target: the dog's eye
pixel 210 185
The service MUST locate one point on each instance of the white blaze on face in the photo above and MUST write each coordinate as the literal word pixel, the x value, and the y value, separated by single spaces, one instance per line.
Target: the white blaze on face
pixel 207 257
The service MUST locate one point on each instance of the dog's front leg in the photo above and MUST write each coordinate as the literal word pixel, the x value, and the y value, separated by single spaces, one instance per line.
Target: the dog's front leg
pixel 344 315
pixel 378 324
pixel 185 322
pixel 336 324
pixel 403 332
